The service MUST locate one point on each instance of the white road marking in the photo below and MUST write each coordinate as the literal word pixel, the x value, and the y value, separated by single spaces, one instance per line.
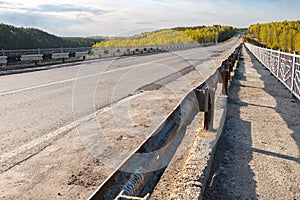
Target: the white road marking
pixel 82 77
pixel 106 72
pixel 52 136
pixel 67 128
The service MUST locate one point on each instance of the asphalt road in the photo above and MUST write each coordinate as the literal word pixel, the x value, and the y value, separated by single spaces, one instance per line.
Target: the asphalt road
pixel 34 105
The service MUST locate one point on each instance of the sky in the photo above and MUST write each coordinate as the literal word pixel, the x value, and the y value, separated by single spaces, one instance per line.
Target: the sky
pixel 126 17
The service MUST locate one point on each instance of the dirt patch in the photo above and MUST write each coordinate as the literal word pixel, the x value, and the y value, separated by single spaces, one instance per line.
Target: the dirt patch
pixel 86 176
pixel 48 175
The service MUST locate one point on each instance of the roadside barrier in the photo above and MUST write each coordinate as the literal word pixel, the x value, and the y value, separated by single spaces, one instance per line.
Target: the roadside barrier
pixel 138 175
pixel 284 66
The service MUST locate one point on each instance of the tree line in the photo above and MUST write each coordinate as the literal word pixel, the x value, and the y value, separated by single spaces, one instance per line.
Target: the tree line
pixel 178 35
pixel 203 34
pixel 12 37
pixel 276 35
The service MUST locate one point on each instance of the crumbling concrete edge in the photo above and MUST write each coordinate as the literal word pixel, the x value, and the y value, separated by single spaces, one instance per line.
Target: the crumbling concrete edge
pixel 198 165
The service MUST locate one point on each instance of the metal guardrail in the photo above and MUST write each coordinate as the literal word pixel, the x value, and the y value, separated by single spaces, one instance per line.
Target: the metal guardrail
pixel 25 57
pixel 284 66
pixel 138 175
pixel 4 52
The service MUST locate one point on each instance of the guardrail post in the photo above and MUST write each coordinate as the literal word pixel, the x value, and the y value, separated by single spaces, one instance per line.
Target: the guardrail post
pixel 206 99
pixel 209 115
pixel 225 77
pixel 3 52
pixel 204 104
pixel 229 63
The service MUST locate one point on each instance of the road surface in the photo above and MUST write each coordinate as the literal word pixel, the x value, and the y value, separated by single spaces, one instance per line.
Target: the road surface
pixel 35 105
pixel 42 154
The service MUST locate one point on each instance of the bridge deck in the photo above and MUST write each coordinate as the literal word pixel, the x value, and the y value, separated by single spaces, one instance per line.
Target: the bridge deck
pixel 257 155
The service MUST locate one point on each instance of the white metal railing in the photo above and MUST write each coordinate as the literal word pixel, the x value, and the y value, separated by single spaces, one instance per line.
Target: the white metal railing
pixel 284 66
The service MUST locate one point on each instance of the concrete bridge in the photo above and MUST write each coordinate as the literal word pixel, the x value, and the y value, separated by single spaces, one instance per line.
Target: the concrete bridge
pixel 70 129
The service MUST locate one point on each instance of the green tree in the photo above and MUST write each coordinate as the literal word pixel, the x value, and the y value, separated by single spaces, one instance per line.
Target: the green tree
pixel 178 35
pixel 277 35
pixel 28 38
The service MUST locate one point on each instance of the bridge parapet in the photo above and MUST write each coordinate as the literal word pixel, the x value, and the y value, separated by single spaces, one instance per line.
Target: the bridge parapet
pixel 284 66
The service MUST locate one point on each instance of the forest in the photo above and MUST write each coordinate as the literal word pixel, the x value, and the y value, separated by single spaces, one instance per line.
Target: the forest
pixel 178 35
pixel 12 37
pixel 276 35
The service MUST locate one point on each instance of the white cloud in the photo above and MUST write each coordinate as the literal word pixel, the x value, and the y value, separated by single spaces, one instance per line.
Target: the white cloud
pixel 102 17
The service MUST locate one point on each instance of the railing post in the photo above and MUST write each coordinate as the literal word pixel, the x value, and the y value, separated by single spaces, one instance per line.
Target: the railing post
pixel 269 59
pixel 278 66
pixel 293 72
pixel 3 53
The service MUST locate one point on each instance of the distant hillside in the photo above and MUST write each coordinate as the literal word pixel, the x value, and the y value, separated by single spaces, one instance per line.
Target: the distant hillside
pixel 12 37
pixel 179 35
pixel 277 35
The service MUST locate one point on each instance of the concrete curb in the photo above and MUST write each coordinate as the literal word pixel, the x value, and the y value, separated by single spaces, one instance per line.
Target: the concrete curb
pixel 199 162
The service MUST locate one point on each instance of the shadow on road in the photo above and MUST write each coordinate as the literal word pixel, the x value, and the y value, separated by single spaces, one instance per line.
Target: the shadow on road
pixel 286 106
